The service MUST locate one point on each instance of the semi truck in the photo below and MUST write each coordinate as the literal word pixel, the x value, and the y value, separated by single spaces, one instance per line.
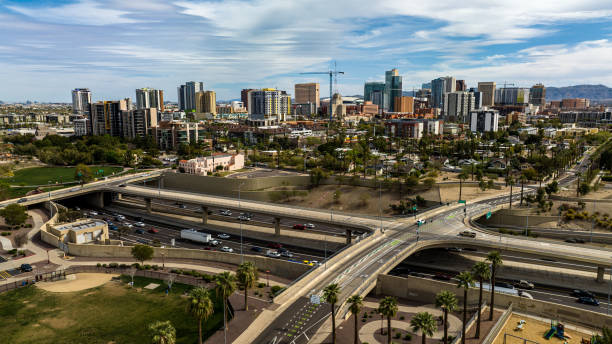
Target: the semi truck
pixel 193 235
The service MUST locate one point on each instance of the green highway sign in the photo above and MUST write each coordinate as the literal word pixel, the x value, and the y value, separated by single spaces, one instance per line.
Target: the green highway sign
pixel 414 207
pixel 462 201
pixel 488 215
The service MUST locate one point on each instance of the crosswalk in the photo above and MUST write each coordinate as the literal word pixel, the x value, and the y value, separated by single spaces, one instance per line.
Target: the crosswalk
pixel 4 275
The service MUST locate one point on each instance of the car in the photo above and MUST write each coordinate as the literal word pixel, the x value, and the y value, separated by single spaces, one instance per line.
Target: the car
pixel 93 213
pixel 244 217
pixel 119 217
pixel 282 249
pixel 227 249
pixel 153 230
pixel 182 206
pixel 314 262
pixel 307 262
pixel 588 301
pixel 468 234
pixel 299 226
pixel 139 224
pixel 570 241
pixel 22 200
pixel 128 225
pixel 77 208
pixel 273 254
pixel 417 274
pixel 25 267
pixel 420 222
pixel 223 236
pixel 442 276
pixel 504 285
pixel 582 293
pixel 525 295
pixel 287 254
pixel 225 212
pixel 256 249
pixel 275 245
pixel 454 249
pixel 113 227
pixel 121 185
pixel 139 231
pixel 309 225
pixel 522 284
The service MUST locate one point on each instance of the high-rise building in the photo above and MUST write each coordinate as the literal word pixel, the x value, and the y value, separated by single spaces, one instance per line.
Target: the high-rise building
pixel 206 102
pixel 537 95
pixel 374 92
pixel 460 85
pixel 136 123
pixel 484 120
pixel 404 104
pixel 308 94
pixel 426 85
pixel 393 88
pixel 477 98
pixel 488 92
pixel 186 95
pixel 512 96
pixel 81 127
pixel 268 106
pixel 575 103
pixel 81 101
pixel 106 117
pixel 244 96
pixel 458 105
pixel 439 87
pixel 337 106
pixel 149 98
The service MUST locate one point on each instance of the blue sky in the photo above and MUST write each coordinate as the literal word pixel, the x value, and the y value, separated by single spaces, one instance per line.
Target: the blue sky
pixel 48 47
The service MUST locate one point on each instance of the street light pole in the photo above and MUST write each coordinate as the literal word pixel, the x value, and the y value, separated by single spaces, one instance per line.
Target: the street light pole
pixel 240 220
pixel 380 205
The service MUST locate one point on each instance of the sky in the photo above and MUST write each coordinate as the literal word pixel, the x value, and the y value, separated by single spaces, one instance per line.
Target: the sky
pixel 49 47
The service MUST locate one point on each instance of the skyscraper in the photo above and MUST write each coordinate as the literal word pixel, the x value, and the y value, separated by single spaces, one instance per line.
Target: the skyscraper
pixel 458 105
pixel 393 88
pixel 206 102
pixel 244 96
pixel 460 85
pixel 106 117
pixel 81 101
pixel 374 92
pixel 149 98
pixel 136 123
pixel 308 94
pixel 488 92
pixel 477 98
pixel 404 104
pixel 512 96
pixel 537 95
pixel 268 106
pixel 439 87
pixel 186 95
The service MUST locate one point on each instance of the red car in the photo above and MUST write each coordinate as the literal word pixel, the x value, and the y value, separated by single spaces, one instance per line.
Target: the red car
pixel 299 226
pixel 275 245
pixel 153 231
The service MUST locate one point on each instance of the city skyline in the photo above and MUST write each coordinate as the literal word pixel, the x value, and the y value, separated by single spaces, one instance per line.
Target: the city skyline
pixel 51 47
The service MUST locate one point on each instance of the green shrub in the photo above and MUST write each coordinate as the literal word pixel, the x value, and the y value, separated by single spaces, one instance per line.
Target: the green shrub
pixel 104 265
pixel 259 285
pixel 6 233
pixel 98 265
pixel 398 335
pixel 275 289
pixel 147 267
pixel 113 265
pixel 13 251
pixel 401 317
pixel 123 266
pixel 408 336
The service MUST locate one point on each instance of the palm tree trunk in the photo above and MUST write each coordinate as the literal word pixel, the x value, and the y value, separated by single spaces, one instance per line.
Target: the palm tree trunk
pixel 479 307
pixel 492 305
pixel 388 330
pixel 246 298
pixel 224 314
pixel 199 331
pixel 445 325
pixel 424 339
pixel 460 186
pixel 510 196
pixel 522 184
pixel 333 324
pixel 464 315
pixel 356 338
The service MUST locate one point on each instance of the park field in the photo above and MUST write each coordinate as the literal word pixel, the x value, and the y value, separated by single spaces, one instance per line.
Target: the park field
pixel 44 175
pixel 110 313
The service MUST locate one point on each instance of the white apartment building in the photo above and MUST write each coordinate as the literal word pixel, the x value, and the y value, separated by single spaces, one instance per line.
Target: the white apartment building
pixel 204 165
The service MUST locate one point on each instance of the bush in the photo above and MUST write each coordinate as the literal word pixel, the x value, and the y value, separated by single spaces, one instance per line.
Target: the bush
pixel 98 265
pixel 398 335
pixel 209 278
pixel 259 285
pixel 123 266
pixel 6 233
pixel 113 265
pixel 275 289
pixel 104 265
pixel 13 251
pixel 408 336
pixel 401 317
pixel 147 267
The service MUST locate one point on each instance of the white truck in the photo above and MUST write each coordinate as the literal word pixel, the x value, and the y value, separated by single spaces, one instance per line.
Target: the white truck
pixel 193 235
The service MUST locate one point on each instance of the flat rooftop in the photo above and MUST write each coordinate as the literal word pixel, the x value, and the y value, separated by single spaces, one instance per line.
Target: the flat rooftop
pixel 81 225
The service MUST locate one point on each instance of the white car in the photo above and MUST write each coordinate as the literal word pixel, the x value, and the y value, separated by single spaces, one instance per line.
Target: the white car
pixel 226 212
pixel 223 236
pixel 128 225
pixel 314 262
pixel 93 213
pixel 273 254
pixel 139 224
pixel 118 217
pixel 226 249
pixel 309 225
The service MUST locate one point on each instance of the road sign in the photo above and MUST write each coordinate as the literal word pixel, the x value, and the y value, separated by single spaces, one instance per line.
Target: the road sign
pixel 315 299
pixel 488 215
pixel 414 207
pixel 462 201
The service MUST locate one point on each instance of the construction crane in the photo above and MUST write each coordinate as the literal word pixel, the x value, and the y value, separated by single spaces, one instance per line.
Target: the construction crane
pixel 333 74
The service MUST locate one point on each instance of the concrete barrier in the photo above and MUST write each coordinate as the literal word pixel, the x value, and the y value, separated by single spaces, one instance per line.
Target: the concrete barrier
pixel 425 290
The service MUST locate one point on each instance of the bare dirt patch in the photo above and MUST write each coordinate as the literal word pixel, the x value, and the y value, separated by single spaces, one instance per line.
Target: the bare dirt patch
pixel 81 282
pixel 59 323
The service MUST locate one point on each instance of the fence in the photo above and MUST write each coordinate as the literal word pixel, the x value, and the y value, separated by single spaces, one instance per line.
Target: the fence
pixel 498 326
pixel 469 323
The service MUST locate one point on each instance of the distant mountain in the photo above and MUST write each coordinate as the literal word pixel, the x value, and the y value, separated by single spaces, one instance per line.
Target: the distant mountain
pixel 593 92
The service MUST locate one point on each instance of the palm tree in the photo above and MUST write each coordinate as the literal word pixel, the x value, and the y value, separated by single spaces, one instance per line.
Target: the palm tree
pixel 200 307
pixel 425 322
pixel 388 307
pixel 226 286
pixel 355 304
pixel 247 275
pixel 523 180
pixel 330 294
pixel 465 281
pixel 510 181
pixel 448 302
pixel 494 258
pixel 162 332
pixel 462 176
pixel 482 273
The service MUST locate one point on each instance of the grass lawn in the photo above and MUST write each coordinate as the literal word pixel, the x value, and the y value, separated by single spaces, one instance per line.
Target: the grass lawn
pixel 109 313
pixel 42 175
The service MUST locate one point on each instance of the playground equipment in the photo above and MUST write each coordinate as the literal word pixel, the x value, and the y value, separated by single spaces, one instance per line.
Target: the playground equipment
pixel 557 330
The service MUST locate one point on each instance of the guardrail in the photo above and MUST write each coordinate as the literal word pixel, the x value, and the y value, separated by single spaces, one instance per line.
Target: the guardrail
pixel 498 326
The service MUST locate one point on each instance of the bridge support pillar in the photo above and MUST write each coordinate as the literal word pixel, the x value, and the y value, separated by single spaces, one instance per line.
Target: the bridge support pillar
pixel 204 214
pixel 160 181
pixel 349 236
pixel 600 274
pixel 148 205
pixel 119 196
pixel 277 226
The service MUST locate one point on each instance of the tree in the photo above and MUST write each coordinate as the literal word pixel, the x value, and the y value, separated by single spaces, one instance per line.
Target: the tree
pixel 226 285
pixel 462 176
pixel 482 273
pixel 606 336
pixel 14 214
pixel 330 295
pixel 448 302
pixel 424 322
pixel 355 304
pixel 21 239
pixel 142 253
pixel 83 173
pixel 523 180
pixel 388 307
pixel 510 181
pixel 494 258
pixel 200 307
pixel 465 280
pixel 247 275
pixel 162 332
